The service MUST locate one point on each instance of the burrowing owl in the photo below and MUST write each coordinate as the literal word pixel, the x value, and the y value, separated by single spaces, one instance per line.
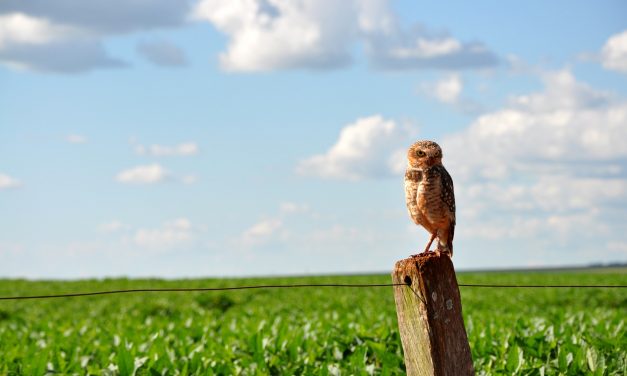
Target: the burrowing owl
pixel 429 194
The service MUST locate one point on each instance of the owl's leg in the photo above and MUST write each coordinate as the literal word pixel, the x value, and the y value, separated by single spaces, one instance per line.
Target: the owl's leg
pixel 430 242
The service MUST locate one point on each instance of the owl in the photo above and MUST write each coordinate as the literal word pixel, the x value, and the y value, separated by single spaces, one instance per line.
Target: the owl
pixel 429 194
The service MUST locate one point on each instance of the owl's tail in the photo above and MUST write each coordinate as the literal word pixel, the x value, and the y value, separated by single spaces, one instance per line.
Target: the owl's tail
pixel 449 240
pixel 447 236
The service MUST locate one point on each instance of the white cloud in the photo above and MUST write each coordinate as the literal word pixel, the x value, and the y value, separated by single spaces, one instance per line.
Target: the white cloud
pixel 447 89
pixel 318 34
pixel 614 52
pixel 547 192
pixel 7 182
pixel 423 48
pixel 550 164
pixel 553 228
pixel 263 35
pixel 393 47
pixel 155 150
pixel 147 174
pixel 566 123
pixel 20 28
pixel 273 228
pixel 76 139
pixel 419 49
pixel 65 56
pixel 369 147
pixel 171 234
pixel 266 35
pixel 104 16
pixel 30 42
pixel 261 232
pixel 67 36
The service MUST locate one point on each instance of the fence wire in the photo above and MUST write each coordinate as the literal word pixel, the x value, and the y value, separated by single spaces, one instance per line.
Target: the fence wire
pixel 307 285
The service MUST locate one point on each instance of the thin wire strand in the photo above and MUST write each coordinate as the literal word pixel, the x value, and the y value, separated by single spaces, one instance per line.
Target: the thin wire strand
pixel 350 285
pixel 546 286
pixel 196 289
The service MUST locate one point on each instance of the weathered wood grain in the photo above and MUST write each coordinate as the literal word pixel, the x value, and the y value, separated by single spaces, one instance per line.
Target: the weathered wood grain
pixel 430 319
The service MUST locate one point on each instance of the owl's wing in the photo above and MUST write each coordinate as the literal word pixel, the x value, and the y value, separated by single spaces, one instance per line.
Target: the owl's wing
pixel 447 195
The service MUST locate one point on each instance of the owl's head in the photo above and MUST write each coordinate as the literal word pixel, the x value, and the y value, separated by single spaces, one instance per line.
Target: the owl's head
pixel 423 154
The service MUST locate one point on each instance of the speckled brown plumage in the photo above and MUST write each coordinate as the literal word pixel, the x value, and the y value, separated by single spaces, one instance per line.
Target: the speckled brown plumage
pixel 429 194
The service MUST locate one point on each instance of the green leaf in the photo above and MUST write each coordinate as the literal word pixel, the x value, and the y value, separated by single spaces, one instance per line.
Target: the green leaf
pixel 514 359
pixel 600 366
pixel 591 357
pixel 564 359
pixel 126 366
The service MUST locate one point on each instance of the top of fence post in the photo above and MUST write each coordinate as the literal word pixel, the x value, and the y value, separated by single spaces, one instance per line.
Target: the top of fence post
pixel 430 321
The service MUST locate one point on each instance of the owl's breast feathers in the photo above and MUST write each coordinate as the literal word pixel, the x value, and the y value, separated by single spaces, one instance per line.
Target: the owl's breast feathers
pixel 430 197
pixel 413 177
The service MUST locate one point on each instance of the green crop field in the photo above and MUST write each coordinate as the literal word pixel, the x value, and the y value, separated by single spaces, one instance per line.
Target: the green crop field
pixel 325 331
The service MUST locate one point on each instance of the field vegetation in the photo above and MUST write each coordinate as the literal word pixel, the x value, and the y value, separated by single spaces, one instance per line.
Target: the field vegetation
pixel 321 331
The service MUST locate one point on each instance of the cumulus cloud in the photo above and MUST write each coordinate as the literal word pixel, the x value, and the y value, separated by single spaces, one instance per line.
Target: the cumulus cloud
pixel 35 43
pixel 448 89
pixel 313 34
pixel 66 57
pixel 8 182
pixel 614 52
pixel 20 28
pixel 170 234
pixel 261 232
pixel 67 36
pixel 549 162
pixel 371 147
pixel 568 121
pixel 180 150
pixel 162 52
pixel 266 35
pixel 104 17
pixel 419 49
pixel 272 228
pixel 145 174
pixel 556 228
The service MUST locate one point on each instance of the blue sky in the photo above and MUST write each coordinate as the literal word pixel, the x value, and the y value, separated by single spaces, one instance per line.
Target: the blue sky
pixel 230 138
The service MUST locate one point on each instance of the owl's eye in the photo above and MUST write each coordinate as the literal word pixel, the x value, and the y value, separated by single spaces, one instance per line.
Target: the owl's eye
pixel 420 153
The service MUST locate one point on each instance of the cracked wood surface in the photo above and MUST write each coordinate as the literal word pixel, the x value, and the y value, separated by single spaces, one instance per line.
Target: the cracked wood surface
pixel 430 319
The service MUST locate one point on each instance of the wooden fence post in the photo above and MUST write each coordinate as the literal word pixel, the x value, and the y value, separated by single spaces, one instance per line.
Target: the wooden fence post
pixel 430 320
